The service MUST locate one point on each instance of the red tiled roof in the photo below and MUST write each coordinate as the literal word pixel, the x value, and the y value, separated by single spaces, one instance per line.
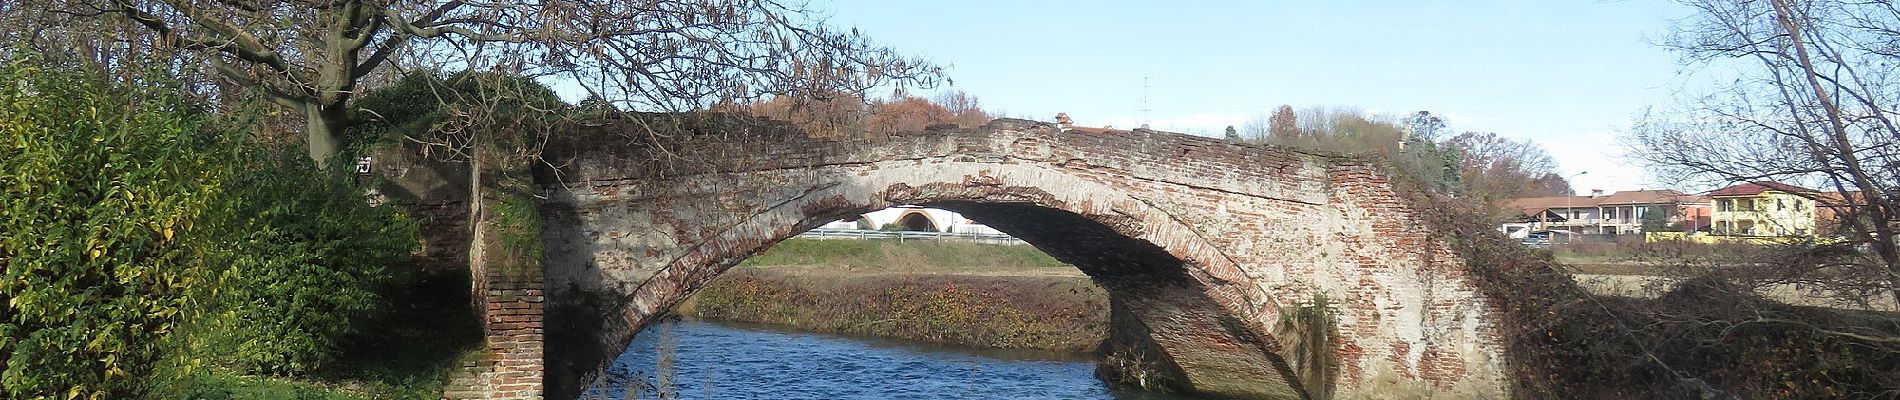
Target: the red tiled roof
pixel 1534 205
pixel 1651 197
pixel 1755 188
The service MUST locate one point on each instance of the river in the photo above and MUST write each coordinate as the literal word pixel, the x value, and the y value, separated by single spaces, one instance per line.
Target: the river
pixel 705 360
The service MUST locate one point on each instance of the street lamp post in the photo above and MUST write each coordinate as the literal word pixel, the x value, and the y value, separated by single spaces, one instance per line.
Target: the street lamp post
pixel 1570 213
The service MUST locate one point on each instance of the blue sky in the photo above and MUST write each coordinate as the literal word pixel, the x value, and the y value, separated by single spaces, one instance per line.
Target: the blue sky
pixel 1567 74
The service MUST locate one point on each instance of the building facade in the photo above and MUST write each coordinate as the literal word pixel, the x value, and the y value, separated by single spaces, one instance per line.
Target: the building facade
pixel 1623 212
pixel 1764 209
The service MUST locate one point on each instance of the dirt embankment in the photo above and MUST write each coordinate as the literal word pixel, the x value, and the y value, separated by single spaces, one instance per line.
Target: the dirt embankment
pixel 935 292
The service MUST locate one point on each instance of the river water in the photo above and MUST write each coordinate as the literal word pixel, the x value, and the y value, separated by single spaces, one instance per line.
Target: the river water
pixel 705 360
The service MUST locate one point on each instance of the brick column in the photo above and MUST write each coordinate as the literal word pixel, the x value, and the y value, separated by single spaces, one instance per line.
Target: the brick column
pixel 509 293
pixel 511 322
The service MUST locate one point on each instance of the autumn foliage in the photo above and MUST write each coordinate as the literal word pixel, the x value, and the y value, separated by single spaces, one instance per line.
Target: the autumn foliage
pixel 852 115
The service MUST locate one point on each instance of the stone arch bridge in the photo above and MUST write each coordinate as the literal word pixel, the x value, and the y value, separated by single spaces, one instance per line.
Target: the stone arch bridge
pixel 1202 245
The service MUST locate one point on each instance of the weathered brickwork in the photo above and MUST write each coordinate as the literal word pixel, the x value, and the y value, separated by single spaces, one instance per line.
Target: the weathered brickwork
pixel 1200 243
pixel 509 300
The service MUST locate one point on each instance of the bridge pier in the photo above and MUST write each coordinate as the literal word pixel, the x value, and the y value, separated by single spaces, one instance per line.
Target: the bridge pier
pixel 512 314
pixel 508 292
pixel 512 363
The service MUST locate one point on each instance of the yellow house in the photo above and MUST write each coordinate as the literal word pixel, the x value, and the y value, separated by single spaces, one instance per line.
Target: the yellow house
pixel 1763 209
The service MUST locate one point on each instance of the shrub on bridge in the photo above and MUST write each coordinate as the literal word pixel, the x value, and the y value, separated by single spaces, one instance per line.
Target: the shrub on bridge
pixel 457 114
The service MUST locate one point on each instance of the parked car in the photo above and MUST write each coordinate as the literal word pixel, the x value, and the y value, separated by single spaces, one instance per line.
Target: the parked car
pixel 1537 240
pixel 1543 239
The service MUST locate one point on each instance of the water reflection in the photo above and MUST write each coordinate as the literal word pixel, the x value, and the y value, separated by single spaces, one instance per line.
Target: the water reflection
pixel 702 360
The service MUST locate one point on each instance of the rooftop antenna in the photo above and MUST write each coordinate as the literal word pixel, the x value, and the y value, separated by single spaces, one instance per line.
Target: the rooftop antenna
pixel 1143 111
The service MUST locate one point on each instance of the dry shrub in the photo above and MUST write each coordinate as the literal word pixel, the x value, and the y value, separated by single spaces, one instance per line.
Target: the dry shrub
pixel 1708 338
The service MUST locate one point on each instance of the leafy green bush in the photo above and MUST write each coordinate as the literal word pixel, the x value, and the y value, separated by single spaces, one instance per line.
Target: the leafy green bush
pixel 100 222
pixel 139 242
pixel 301 257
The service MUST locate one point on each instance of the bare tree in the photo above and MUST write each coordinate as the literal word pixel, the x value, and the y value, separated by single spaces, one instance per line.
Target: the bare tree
pixel 658 55
pixel 1813 103
pixel 964 108
pixel 1256 129
pixel 1487 150
pixel 1319 120
pixel 1493 168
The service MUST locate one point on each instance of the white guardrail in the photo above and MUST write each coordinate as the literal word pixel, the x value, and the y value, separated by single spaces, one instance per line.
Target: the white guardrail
pixel 991 238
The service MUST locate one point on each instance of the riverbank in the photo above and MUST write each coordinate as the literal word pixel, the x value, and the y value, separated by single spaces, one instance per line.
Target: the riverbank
pixel 980 295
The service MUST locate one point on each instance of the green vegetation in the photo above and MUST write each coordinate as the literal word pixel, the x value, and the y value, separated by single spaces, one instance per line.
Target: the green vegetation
pixel 301 255
pixel 891 253
pixel 451 114
pixel 235 387
pixel 518 229
pixel 150 251
pixel 105 191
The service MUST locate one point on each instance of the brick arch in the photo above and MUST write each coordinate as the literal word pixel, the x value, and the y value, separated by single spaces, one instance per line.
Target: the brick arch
pixel 1198 256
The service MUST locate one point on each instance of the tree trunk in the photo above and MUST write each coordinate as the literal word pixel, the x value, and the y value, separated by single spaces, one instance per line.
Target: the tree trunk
pixel 325 127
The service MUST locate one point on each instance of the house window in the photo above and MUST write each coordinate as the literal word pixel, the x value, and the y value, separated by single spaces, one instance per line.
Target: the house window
pixel 1722 205
pixel 1609 213
pixel 1779 206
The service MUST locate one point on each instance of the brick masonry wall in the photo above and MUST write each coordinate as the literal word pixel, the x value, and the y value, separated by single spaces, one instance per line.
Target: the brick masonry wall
pixel 1201 242
pixel 511 299
pixel 512 319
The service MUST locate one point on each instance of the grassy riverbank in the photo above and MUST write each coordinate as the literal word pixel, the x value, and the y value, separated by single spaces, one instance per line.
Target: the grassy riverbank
pixel 946 292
